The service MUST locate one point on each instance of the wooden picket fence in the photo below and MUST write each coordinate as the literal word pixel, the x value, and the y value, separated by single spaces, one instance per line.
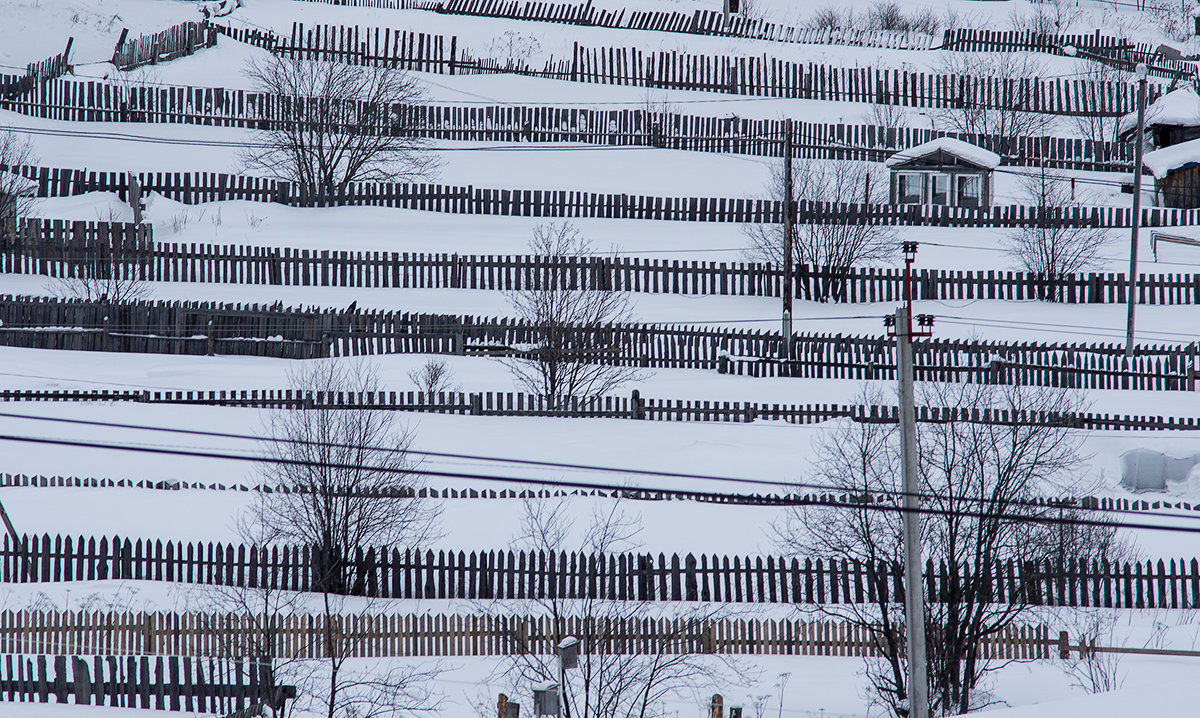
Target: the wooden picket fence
pixel 634 407
pixel 294 636
pixel 36 74
pixel 176 41
pixel 1103 503
pixel 131 681
pixel 752 76
pixel 101 101
pixel 58 248
pixel 210 328
pixel 392 572
pixel 197 187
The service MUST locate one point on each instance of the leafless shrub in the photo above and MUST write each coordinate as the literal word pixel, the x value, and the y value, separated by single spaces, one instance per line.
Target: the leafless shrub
pixel 514 48
pixel 569 357
pixel 1049 17
pixel 18 195
pixel 1052 248
pixel 1172 18
pixel 977 480
pixel 607 681
pixel 828 17
pixel 889 16
pixel 346 123
pixel 657 110
pixel 892 118
pixel 1090 670
pixel 1099 129
pixel 433 377
pixel 836 246
pixel 105 271
pixel 1008 117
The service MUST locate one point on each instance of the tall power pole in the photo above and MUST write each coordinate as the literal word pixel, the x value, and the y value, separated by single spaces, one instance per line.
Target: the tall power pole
pixel 1139 142
pixel 788 239
pixel 914 597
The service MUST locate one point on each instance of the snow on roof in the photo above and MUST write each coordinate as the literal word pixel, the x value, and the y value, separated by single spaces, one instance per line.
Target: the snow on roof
pixel 963 150
pixel 1177 107
pixel 1169 159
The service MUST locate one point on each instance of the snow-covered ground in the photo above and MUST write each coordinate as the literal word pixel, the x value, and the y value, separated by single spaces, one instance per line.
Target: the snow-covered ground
pixel 762 457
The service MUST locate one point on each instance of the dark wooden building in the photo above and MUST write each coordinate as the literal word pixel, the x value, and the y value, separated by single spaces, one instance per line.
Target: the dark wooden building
pixel 1176 173
pixel 1170 120
pixel 945 171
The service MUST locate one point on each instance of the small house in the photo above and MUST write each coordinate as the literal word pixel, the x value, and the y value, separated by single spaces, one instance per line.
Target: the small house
pixel 946 172
pixel 1176 173
pixel 1170 120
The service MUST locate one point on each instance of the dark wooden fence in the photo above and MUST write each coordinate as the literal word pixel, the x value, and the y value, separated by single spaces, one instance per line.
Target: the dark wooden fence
pixel 58 248
pixel 164 683
pixel 99 101
pixel 176 41
pixel 1103 503
pixel 634 406
pixel 752 76
pixel 196 187
pixel 409 573
pixel 36 73
pixel 204 328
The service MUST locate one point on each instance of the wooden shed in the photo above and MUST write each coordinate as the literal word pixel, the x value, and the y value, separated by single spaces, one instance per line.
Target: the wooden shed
pixel 1176 173
pixel 945 171
pixel 1170 120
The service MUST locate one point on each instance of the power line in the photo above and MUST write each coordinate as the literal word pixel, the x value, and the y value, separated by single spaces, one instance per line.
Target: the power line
pixel 554 465
pixel 408 471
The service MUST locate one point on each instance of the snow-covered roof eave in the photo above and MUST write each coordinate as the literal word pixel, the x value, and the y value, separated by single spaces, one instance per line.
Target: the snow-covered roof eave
pixel 1160 163
pixel 1178 108
pixel 978 156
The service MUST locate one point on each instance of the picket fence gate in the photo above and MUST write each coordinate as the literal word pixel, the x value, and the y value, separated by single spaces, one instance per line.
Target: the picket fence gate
pixel 504 575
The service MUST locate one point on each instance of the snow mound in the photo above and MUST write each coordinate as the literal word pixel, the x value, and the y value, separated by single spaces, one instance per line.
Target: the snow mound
pixel 1150 470
pixel 975 155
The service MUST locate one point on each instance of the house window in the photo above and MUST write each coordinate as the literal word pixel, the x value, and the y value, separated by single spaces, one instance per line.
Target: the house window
pixel 939 189
pixel 909 186
pixel 970 191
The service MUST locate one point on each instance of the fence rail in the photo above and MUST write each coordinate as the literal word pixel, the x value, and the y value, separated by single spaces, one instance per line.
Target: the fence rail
pixel 168 683
pixel 209 328
pixel 444 635
pixel 502 575
pixel 58 248
pixel 197 187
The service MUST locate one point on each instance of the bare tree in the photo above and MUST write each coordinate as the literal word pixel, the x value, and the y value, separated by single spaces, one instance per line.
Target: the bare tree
pixel 1101 130
pixel 1052 248
pixel 1008 115
pixel 834 245
pixel 349 486
pixel 629 660
pixel 978 481
pixel 572 355
pixel 18 194
pixel 337 123
pixel 433 377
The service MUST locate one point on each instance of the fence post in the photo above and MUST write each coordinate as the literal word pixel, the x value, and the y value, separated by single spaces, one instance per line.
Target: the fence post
pixel 1064 645
pixel 636 406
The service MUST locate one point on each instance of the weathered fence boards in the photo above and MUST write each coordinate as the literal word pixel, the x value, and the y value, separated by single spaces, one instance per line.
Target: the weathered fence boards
pixel 409 573
pixel 600 407
pixel 207 328
pixel 763 76
pixel 98 101
pixel 36 73
pixel 295 636
pixel 58 248
pixel 197 187
pixel 171 683
pixel 176 41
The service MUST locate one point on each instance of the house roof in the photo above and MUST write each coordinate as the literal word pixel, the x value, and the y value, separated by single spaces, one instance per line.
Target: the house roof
pixel 984 159
pixel 1162 162
pixel 1176 108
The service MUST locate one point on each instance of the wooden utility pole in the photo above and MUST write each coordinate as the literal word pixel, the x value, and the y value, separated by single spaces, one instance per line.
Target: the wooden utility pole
pixel 1139 142
pixel 788 240
pixel 914 597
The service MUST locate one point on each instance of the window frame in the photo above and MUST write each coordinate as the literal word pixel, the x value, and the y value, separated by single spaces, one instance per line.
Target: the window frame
pixel 920 180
